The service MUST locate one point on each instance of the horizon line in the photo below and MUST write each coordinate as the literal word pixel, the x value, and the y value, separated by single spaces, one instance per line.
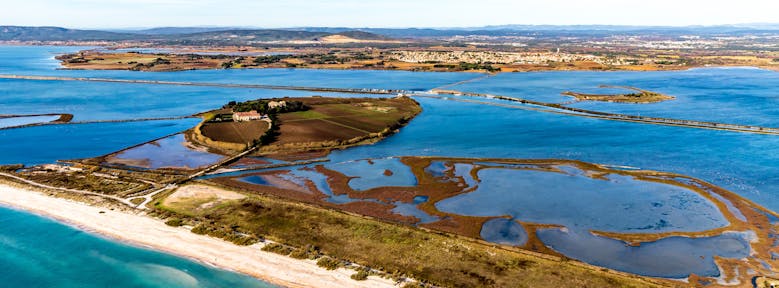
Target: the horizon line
pixel 745 25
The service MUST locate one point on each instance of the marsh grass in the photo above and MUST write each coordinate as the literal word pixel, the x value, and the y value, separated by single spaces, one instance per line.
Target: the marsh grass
pixel 434 258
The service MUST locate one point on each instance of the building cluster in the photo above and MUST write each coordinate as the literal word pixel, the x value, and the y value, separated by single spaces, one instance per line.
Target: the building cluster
pixel 277 104
pixel 490 57
pixel 250 116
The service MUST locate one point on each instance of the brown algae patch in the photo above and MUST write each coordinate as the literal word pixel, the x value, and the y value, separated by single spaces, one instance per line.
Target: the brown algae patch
pixel 447 182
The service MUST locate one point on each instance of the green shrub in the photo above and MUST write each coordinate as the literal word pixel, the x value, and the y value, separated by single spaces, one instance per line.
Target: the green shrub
pixel 308 252
pixel 175 222
pixel 277 248
pixel 328 263
pixel 200 229
pixel 360 275
pixel 242 240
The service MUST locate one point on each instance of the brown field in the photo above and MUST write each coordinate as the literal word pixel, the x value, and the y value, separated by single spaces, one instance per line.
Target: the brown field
pixel 334 119
pixel 315 130
pixel 136 61
pixel 328 123
pixel 235 132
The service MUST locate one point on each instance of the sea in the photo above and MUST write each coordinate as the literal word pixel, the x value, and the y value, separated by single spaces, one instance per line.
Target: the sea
pixel 39 252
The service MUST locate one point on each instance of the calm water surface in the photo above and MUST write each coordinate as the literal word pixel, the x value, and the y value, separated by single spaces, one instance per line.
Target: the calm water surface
pixel 39 252
pixel 743 163
pixel 169 152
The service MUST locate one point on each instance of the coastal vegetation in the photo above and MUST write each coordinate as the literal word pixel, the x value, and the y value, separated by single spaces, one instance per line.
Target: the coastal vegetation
pixel 400 251
pixel 392 226
pixel 380 202
pixel 304 124
pixel 450 59
pixel 639 96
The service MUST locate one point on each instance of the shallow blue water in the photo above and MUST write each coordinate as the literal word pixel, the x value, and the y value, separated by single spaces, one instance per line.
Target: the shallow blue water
pixel 18 121
pixel 673 257
pixel 370 174
pixel 38 252
pixel 619 204
pixel 170 152
pixel 731 95
pixel 743 163
pixel 504 231
pixel 39 60
pixel 47 144
pixel 115 101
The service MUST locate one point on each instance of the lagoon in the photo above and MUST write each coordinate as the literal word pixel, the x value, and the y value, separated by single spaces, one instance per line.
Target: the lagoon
pixel 742 163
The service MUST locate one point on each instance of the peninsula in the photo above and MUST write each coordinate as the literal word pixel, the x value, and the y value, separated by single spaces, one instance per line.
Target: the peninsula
pixel 287 223
pixel 453 59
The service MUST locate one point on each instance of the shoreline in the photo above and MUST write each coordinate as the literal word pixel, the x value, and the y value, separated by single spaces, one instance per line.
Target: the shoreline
pixel 149 233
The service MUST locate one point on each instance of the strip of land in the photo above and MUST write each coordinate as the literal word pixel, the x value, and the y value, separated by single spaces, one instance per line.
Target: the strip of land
pixel 639 96
pixel 438 59
pixel 149 232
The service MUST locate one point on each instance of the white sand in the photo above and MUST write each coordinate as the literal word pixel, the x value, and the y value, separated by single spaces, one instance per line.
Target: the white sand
pixel 152 233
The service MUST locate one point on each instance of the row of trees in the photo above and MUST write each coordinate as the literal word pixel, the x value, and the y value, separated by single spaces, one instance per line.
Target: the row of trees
pixel 263 107
pixel 328 58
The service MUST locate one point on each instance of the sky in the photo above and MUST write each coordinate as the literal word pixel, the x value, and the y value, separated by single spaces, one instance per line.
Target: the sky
pixel 372 13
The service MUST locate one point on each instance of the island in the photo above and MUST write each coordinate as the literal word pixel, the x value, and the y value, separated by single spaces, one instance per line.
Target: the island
pixel 284 126
pixel 640 96
pixel 290 204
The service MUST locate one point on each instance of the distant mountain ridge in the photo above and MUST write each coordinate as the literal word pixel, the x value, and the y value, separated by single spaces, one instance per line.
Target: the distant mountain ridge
pixel 243 36
pixel 173 34
pixel 555 30
pixel 20 33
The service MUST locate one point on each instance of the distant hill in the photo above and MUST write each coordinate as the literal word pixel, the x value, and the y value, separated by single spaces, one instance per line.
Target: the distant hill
pixel 18 33
pixel 557 30
pixel 247 36
pixel 178 30
pixel 175 35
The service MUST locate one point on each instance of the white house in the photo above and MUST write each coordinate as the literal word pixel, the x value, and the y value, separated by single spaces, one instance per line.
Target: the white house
pixel 276 104
pixel 247 116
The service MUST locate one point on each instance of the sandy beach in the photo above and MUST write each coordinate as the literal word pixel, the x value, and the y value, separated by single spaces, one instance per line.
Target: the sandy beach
pixel 152 233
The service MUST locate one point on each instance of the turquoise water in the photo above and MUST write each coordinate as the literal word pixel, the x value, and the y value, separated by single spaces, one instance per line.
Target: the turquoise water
pixel 742 163
pixel 39 252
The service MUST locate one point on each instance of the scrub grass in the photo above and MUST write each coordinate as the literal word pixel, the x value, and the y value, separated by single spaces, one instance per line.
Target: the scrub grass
pixel 434 258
